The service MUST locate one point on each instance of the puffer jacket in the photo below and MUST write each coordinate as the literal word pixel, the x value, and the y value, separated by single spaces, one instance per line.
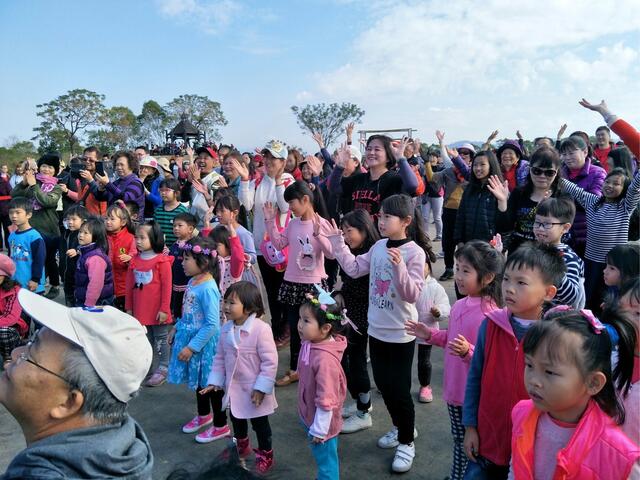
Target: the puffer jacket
pixel 476 218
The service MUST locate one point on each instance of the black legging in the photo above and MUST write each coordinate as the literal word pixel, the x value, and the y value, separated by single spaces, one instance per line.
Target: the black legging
pixel 424 365
pixel 272 279
pixel 50 264
pixel 212 401
pixel 448 229
pixel 292 313
pixel 354 364
pixel 260 425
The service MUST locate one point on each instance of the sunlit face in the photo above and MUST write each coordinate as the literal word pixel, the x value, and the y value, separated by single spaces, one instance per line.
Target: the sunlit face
pixel 90 161
pixel 508 158
pixel 549 230
pixel 122 167
pixel 47 170
pixel 308 327
pixel 19 217
pixel 147 171
pixel 524 291
pixel 540 180
pixel 182 230
pixel 391 226
pixel 465 155
pixel 140 153
pixel 233 309
pixel 190 266
pixel 228 169
pixel 273 165
pixel 352 236
pixel 205 163
pixel 613 187
pixel 168 195
pixel 143 242
pixel 612 276
pixel 375 154
pixel 74 222
pixel 291 164
pixel 307 174
pixel 299 207
pixel 466 278
pixel 574 159
pixel 84 236
pixel 603 138
pixel 113 223
pixel 481 167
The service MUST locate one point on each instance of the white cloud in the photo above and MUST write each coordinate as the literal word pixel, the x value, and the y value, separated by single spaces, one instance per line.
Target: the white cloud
pixel 211 16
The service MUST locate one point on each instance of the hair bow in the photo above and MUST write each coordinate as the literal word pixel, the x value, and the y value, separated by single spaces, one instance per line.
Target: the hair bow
pixel 588 315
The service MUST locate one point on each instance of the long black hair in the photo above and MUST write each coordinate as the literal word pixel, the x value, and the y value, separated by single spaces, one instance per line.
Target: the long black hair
pixel 401 205
pixel 594 355
pixel 299 189
pixel 625 258
pixel 95 226
pixel 362 221
pixel 475 184
pixel 544 157
pixel 485 260
pixel 621 158
pixel 231 203
pixel 626 181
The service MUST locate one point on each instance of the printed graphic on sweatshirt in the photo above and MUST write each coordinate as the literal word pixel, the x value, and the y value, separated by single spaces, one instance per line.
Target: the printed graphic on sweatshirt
pixel 19 254
pixel 142 278
pixel 306 259
pixel 381 293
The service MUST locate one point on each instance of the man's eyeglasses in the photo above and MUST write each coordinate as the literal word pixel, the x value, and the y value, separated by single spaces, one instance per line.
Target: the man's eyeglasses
pixel 24 356
pixel 547 172
pixel 546 225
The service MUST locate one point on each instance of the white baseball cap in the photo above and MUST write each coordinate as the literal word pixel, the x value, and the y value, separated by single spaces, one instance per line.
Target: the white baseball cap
pixel 355 153
pixel 115 343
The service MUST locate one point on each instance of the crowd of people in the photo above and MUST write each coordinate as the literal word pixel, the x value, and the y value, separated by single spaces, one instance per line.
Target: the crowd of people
pixel 541 351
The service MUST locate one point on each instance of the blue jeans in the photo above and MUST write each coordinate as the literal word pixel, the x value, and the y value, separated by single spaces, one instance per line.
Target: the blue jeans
pixel 484 469
pixel 326 455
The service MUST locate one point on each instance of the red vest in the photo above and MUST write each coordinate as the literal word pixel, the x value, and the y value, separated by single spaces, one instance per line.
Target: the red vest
pixel 502 386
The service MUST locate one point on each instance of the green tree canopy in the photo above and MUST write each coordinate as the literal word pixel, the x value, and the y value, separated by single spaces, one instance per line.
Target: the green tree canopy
pixel 120 127
pixel 68 116
pixel 152 123
pixel 15 152
pixel 204 113
pixel 329 120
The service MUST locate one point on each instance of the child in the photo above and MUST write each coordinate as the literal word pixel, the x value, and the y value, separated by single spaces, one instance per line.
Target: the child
pixel 230 255
pixel 569 428
pixel 184 225
pixel 623 264
pixel 495 383
pixel 245 366
pixel 307 250
pixel 230 212
pixel 396 268
pixel 607 225
pixel 360 234
pixel 478 271
pixel 134 213
pixel 323 385
pixel 195 336
pixel 149 294
pixel 171 206
pixel 432 305
pixel 12 326
pixel 74 216
pixel 26 246
pixel 94 275
pixel 554 217
pixel 122 248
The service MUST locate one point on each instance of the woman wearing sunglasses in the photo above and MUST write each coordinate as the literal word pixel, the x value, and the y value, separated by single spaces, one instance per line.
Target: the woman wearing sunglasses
pixel 517 211
pixel 578 169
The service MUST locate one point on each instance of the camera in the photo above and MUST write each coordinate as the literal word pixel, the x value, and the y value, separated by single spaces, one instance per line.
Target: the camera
pixel 77 165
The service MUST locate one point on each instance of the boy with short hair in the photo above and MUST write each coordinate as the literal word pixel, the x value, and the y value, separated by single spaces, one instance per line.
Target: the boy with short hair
pixel 495 383
pixel 74 217
pixel 171 206
pixel 184 229
pixel 554 217
pixel 26 246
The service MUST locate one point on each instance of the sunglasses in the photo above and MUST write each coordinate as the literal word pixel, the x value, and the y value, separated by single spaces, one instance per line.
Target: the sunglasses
pixel 547 172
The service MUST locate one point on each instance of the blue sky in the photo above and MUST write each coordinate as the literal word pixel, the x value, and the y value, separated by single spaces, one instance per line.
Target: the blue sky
pixel 447 64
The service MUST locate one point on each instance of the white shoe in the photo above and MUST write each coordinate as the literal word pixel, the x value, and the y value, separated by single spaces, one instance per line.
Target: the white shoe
pixel 352 409
pixel 390 439
pixel 355 423
pixel 403 459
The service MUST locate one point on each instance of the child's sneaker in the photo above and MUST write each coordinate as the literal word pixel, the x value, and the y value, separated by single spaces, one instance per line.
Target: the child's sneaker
pixel 356 422
pixel 403 460
pixel 264 460
pixel 212 434
pixel 244 447
pixel 425 395
pixel 158 378
pixel 390 439
pixel 197 423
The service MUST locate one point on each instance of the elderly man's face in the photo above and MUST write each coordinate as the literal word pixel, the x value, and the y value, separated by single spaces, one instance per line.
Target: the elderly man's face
pixel 29 392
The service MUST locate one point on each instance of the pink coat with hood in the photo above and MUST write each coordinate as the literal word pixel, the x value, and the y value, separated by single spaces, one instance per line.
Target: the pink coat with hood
pixel 242 368
pixel 323 384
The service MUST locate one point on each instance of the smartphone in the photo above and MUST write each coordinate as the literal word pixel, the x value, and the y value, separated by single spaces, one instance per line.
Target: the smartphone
pixel 100 168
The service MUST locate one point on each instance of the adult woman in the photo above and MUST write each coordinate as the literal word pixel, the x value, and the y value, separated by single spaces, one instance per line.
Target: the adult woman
pixel 578 168
pixel 231 175
pixel 294 158
pixel 151 176
pixel 42 187
pixel 517 212
pixel 515 169
pixel 127 187
pixel 16 178
pixel 254 195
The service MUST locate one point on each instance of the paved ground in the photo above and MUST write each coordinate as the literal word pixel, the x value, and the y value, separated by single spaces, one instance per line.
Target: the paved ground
pixel 162 411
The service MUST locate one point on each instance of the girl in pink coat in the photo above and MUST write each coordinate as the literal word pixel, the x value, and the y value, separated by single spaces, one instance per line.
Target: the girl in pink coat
pixel 245 368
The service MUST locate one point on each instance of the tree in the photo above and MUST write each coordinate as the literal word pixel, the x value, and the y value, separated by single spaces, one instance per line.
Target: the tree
pixel 68 116
pixel 119 133
pixel 205 114
pixel 16 151
pixel 329 120
pixel 152 123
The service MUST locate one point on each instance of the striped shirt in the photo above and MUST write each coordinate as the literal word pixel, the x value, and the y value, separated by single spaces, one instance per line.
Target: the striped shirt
pixel 571 291
pixel 164 218
pixel 607 223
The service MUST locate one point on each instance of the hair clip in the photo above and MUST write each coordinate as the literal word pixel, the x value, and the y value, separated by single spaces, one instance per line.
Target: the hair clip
pixel 199 250
pixel 120 204
pixel 588 315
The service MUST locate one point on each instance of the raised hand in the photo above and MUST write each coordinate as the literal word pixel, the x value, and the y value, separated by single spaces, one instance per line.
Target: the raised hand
pixel 563 129
pixel 440 137
pixel 200 187
pixel 232 229
pixel 452 152
pixel 417 329
pixel 314 164
pixel 493 136
pixel 349 130
pixel 241 168
pixel 499 189
pixel 519 135
pixel 101 179
pixel 416 147
pixel 193 173
pixel 343 156
pixel 317 136
pixel 269 211
pixel 601 107
pixel 398 147
pixel 190 152
pixel 332 230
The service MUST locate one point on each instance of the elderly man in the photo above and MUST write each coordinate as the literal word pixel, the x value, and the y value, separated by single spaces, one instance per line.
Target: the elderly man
pixel 202 180
pixel 68 389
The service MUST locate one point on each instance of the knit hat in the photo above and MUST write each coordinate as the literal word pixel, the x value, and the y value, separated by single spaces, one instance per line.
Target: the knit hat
pixel 513 145
pixel 51 159
pixel 208 150
pixel 277 149
pixel 7 267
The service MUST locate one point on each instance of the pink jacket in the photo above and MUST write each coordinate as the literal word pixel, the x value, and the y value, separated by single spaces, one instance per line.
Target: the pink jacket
pixel 465 318
pixel 323 384
pixel 597 450
pixel 306 250
pixel 249 366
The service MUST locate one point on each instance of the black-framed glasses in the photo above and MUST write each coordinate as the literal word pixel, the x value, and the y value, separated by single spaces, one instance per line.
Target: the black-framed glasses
pixel 24 356
pixel 546 225
pixel 547 172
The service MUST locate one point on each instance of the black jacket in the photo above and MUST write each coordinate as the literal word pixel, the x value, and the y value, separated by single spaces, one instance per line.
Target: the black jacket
pixel 476 218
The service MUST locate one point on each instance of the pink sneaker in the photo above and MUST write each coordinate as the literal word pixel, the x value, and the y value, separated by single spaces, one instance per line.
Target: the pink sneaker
pixel 264 460
pixel 425 395
pixel 197 423
pixel 212 434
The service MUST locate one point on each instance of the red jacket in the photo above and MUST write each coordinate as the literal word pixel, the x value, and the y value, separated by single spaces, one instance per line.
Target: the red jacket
pixel 502 386
pixel 149 288
pixel 597 450
pixel 119 243
pixel 10 310
pixel 629 135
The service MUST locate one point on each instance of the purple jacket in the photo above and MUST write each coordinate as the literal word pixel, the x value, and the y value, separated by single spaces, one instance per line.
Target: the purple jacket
pixel 590 178
pixel 127 189
pixel 82 275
